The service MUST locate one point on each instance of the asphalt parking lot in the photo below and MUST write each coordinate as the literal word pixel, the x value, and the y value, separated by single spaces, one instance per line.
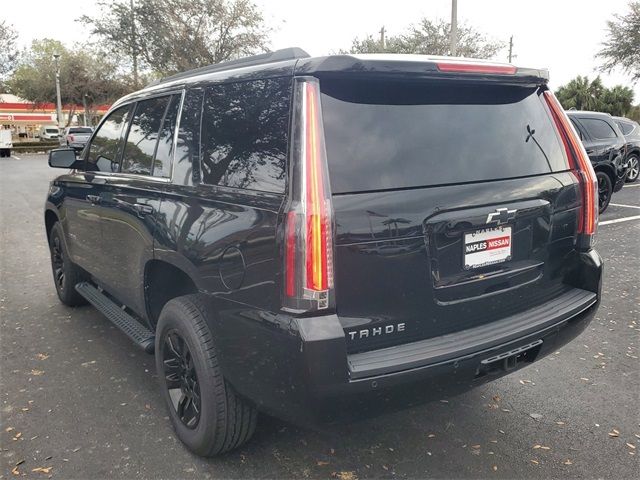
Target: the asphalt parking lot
pixel 80 401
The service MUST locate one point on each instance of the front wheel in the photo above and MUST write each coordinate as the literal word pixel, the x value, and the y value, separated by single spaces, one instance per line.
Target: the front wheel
pixel 634 168
pixel 605 190
pixel 66 274
pixel 207 414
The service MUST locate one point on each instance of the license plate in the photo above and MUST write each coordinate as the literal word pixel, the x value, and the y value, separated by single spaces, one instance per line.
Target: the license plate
pixel 486 247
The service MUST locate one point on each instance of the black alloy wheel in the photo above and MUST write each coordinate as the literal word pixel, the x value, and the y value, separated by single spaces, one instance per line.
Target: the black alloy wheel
pixel 66 274
pixel 605 190
pixel 181 379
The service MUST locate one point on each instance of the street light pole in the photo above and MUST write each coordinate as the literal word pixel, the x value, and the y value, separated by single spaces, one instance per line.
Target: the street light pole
pixel 56 56
pixel 453 47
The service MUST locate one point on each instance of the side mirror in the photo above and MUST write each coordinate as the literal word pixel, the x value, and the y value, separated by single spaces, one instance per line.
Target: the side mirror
pixel 63 158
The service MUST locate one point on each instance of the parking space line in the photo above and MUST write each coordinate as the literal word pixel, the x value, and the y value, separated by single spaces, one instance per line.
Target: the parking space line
pixel 619 220
pixel 623 205
pixel 13 156
pixel 629 186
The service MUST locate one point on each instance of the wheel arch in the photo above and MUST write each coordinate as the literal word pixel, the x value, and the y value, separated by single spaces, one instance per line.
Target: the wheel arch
pixel 50 219
pixel 164 281
pixel 609 170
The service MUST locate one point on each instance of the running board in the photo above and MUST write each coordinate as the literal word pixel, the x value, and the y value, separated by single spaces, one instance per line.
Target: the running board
pixel 137 332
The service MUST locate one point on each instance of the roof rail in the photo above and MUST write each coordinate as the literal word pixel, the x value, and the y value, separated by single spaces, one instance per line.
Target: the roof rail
pixel 291 53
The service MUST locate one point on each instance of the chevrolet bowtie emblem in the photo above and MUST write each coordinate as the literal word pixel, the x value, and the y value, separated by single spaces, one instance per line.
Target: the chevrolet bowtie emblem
pixel 501 215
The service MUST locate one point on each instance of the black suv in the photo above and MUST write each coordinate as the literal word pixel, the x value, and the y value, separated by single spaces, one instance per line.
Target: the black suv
pixel 631 132
pixel 607 149
pixel 326 238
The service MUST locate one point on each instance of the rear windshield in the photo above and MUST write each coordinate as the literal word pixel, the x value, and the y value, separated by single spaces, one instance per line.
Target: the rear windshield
pixel 80 130
pixel 51 130
pixel 388 135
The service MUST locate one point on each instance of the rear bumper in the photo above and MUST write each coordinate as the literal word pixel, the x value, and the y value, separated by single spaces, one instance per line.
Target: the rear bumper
pixel 300 370
pixel 77 145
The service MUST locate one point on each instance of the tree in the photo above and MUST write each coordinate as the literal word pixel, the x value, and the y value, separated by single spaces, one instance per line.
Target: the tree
pixel 617 101
pixel 431 38
pixel 583 94
pixel 82 72
pixel 168 36
pixel 622 46
pixel 8 51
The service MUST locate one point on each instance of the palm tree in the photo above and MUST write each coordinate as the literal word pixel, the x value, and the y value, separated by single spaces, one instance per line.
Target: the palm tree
pixel 581 94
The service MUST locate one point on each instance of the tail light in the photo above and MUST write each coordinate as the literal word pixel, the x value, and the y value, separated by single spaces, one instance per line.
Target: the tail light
pixel 71 138
pixel 308 238
pixel 581 165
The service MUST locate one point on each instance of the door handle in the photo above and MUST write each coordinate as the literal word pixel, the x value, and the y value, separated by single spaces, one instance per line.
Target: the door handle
pixel 93 198
pixel 143 209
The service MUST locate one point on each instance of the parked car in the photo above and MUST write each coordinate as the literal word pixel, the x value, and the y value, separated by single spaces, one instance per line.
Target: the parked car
pixel 606 146
pixel 6 142
pixel 49 133
pixel 326 238
pixel 77 137
pixel 631 132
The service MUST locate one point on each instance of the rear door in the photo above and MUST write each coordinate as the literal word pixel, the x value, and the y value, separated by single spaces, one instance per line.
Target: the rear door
pixel 131 197
pixel 605 143
pixel 453 205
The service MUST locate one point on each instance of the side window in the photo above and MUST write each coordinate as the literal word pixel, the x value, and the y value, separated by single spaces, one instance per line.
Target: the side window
pixel 244 134
pixel 143 135
pixel 187 154
pixel 575 125
pixel 104 151
pixel 598 128
pixel 626 128
pixel 164 151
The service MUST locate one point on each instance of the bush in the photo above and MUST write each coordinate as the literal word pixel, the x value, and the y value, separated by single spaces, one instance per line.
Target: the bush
pixel 44 145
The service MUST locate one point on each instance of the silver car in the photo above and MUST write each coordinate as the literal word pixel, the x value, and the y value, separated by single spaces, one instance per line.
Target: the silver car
pixel 77 137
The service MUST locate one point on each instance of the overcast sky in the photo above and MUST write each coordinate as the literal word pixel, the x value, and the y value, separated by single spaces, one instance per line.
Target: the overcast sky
pixel 561 35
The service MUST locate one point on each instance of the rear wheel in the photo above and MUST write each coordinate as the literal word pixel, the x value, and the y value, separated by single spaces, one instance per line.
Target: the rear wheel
pixel 206 413
pixel 66 274
pixel 634 168
pixel 605 190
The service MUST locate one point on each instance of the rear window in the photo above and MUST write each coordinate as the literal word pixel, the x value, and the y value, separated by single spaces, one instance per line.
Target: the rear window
pixel 387 135
pixel 80 130
pixel 51 130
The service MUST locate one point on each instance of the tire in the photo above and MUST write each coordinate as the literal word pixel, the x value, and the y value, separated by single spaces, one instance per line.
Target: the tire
pixel 605 190
pixel 66 274
pixel 213 419
pixel 3 152
pixel 634 168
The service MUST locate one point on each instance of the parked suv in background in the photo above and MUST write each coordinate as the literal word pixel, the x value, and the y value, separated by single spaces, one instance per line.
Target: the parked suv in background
pixel 606 146
pixel 631 132
pixel 77 137
pixel 326 238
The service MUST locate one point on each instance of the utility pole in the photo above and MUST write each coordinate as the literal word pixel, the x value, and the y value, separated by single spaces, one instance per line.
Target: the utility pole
pixel 87 121
pixel 510 48
pixel 382 42
pixel 56 56
pixel 134 46
pixel 453 47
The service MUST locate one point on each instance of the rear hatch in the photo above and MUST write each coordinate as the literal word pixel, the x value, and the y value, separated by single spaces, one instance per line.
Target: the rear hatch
pixel 454 205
